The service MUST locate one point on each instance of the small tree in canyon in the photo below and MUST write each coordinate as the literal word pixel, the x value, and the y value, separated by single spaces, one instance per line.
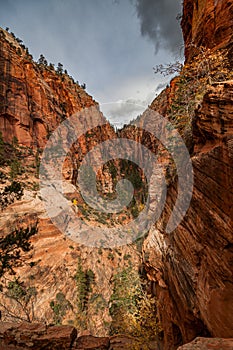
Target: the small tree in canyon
pixel 133 310
pixel 59 68
pixel 59 307
pixel 17 298
pixel 12 247
pixel 193 81
pixel 84 280
pixel 18 301
pixel 42 60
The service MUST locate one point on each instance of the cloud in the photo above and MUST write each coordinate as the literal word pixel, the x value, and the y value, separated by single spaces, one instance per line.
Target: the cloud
pixel 158 23
pixel 122 111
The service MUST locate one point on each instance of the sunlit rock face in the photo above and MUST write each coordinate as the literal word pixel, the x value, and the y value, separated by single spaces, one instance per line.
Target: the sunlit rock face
pixel 35 100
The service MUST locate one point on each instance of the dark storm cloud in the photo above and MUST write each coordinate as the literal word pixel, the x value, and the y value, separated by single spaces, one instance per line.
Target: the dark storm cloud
pixel 159 23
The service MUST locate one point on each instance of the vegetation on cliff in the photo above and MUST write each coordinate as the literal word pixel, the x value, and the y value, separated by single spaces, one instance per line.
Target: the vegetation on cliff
pixel 17 298
pixel 193 81
pixel 18 45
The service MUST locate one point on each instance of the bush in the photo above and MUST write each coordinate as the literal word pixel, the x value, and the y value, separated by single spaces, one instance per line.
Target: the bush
pixel 15 169
pixel 60 306
pixel 18 301
pixel 12 246
pixel 193 82
pixel 133 310
pixel 84 281
pixel 10 193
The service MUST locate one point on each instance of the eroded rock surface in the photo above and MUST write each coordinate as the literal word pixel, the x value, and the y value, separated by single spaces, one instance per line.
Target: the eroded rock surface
pixel 206 23
pixel 191 268
pixel 36 337
pixel 208 344
pixel 34 99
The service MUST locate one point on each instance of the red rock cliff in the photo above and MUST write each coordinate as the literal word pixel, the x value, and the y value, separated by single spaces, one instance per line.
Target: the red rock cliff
pixel 34 99
pixel 191 268
pixel 207 23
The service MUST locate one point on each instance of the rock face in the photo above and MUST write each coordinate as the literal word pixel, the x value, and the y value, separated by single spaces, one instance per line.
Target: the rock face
pixel 37 336
pixel 89 342
pixel 208 344
pixel 191 268
pixel 34 99
pixel 55 264
pixel 206 23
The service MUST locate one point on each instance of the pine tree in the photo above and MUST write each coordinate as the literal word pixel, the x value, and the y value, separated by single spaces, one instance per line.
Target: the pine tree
pixel 12 246
pixel 42 60
pixel 59 68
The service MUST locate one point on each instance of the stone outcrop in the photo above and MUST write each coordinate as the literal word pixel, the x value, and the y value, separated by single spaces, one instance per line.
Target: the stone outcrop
pixel 90 342
pixel 208 344
pixel 37 336
pixel 206 23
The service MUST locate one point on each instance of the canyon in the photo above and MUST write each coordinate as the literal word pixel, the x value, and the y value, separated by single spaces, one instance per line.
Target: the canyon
pixel 188 271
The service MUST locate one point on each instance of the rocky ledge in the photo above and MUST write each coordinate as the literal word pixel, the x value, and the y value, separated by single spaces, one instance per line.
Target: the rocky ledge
pixel 208 344
pixel 38 336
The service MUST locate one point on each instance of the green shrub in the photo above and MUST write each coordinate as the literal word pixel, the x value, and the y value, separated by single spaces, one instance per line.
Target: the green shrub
pixel 127 256
pixel 84 281
pixel 12 246
pixel 133 310
pixel 110 256
pixel 10 193
pixel 60 306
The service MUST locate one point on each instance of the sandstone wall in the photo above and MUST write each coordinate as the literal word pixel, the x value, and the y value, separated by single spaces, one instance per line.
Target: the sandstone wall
pixel 191 268
pixel 33 99
pixel 206 23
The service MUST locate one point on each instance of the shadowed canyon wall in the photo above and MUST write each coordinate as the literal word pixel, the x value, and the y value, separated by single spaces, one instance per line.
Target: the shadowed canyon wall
pixel 191 268
pixel 206 23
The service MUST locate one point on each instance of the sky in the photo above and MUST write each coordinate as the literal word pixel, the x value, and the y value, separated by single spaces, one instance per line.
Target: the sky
pixel 111 45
